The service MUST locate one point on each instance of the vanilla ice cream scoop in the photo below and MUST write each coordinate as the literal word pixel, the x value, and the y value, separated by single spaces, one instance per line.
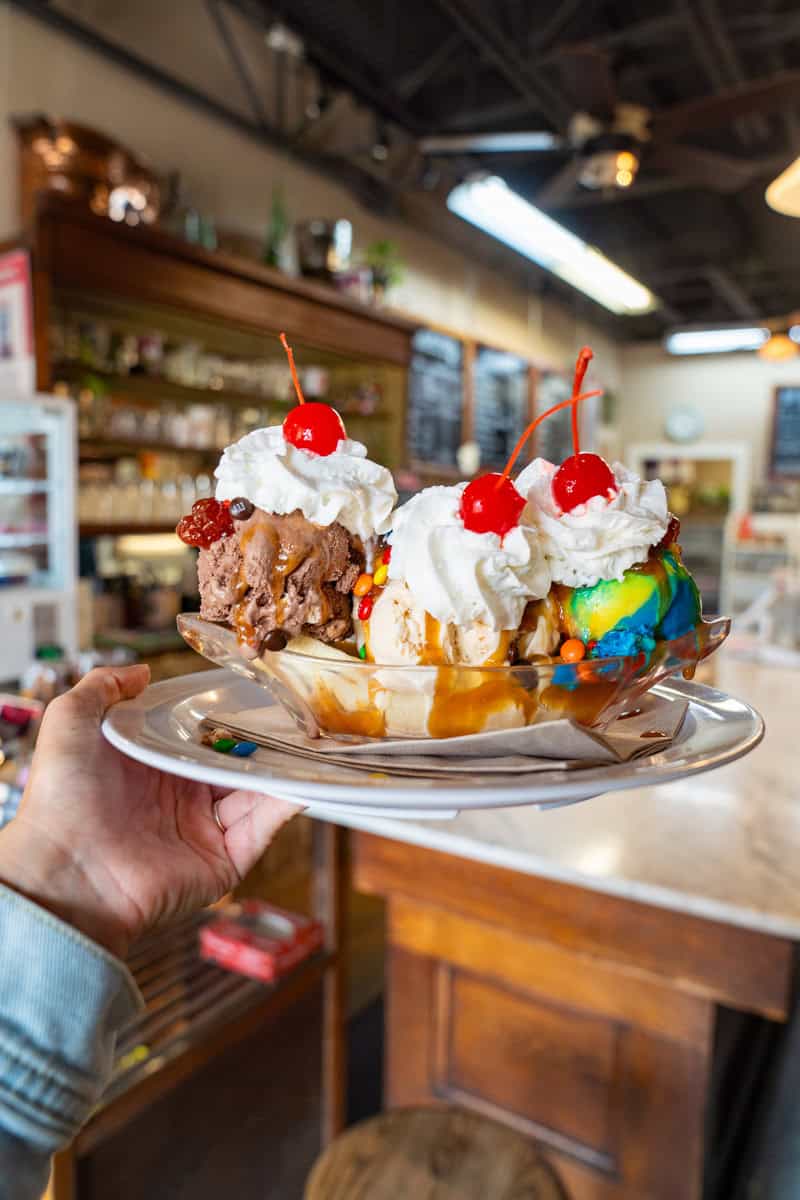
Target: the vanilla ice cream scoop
pixel 453 596
pixel 459 576
pixel 400 632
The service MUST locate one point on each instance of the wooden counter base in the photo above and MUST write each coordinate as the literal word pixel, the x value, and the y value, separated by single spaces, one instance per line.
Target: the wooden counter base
pixel 580 1019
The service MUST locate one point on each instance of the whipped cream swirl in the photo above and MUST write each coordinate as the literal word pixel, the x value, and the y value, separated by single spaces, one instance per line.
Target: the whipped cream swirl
pixel 602 538
pixel 459 576
pixel 274 475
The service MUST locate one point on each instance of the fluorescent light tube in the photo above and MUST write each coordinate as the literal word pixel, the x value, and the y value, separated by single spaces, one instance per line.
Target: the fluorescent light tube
pixel 715 341
pixel 490 204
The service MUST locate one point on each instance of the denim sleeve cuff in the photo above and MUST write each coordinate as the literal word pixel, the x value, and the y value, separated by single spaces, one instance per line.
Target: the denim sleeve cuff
pixel 62 999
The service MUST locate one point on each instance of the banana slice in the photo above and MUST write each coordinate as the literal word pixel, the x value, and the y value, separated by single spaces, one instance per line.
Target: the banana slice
pixel 540 632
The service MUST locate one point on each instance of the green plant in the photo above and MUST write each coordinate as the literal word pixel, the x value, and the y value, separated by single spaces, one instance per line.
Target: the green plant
pixel 384 259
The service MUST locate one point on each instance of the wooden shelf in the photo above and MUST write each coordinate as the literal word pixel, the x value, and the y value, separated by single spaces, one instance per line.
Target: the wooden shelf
pixel 193 1012
pixel 123 528
pixel 77 249
pixel 154 389
pixel 94 448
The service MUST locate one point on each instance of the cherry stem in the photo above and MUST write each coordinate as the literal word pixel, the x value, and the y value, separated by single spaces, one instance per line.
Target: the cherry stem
pixel 585 356
pixel 293 369
pixel 573 400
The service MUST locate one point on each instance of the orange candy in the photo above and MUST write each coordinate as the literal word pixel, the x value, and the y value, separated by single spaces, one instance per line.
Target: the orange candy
pixel 363 585
pixel 573 650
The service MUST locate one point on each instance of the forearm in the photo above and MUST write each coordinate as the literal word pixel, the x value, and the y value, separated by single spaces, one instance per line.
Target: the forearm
pixel 62 998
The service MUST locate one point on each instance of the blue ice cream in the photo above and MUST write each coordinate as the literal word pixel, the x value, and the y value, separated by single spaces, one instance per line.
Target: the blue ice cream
pixel 655 600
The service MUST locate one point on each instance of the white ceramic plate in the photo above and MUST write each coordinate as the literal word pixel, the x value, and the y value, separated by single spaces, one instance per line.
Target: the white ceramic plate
pixel 161 728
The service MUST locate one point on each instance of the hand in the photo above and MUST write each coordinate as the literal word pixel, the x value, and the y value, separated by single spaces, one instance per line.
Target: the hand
pixel 114 847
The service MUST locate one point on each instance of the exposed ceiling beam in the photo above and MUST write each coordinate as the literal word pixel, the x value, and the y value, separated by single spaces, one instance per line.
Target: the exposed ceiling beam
pixel 776 32
pixel 731 292
pixel 226 36
pixel 639 191
pixel 638 34
pixel 483 34
pixel 331 63
pixel 544 36
pixel 729 56
pixel 409 84
pixel 700 47
pixel 777 62
pixel 491 116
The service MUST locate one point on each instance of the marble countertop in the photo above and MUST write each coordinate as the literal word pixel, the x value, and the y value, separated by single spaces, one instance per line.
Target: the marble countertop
pixel 723 845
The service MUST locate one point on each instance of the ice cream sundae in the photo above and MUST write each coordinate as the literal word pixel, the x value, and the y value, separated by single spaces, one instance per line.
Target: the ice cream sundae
pixel 469 608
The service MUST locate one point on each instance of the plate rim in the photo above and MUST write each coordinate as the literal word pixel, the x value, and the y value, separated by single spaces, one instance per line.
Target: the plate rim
pixel 118 723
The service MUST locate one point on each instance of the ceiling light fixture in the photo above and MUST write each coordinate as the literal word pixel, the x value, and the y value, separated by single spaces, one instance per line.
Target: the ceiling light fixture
pixel 779 348
pixel 783 194
pixel 491 205
pixel 716 341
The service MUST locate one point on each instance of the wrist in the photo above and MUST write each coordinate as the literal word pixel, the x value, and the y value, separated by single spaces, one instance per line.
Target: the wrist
pixel 43 872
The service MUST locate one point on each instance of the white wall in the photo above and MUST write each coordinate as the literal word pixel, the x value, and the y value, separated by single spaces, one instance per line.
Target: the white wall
pixel 231 177
pixel 732 391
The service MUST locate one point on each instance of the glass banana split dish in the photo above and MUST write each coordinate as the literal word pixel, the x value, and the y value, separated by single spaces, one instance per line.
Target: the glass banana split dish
pixel 507 601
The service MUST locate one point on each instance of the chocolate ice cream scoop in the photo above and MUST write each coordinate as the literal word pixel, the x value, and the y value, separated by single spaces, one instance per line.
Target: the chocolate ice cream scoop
pixel 281 573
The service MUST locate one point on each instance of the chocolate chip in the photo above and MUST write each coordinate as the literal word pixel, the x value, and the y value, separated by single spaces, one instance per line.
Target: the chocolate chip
pixel 276 640
pixel 241 509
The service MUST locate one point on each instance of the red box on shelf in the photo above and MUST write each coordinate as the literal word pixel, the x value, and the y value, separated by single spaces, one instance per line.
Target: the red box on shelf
pixel 259 939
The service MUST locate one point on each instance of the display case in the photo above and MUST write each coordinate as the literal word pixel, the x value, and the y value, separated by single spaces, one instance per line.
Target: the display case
pixel 761 554
pixel 37 521
pixel 705 482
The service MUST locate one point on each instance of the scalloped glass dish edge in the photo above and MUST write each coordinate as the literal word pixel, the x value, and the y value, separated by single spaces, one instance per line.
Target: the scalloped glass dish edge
pixel 338 696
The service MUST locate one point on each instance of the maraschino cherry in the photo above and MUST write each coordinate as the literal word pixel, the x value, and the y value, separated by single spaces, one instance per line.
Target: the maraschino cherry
pixel 491 503
pixel 208 521
pixel 311 426
pixel 581 477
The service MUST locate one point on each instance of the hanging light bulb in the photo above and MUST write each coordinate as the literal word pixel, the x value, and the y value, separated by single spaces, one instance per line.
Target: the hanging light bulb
pixel 779 348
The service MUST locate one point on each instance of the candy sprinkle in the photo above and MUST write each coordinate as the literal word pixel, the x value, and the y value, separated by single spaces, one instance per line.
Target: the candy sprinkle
pixel 573 650
pixel 381 575
pixel 224 745
pixel 365 608
pixel 244 749
pixel 387 555
pixel 363 585
pixel 362 651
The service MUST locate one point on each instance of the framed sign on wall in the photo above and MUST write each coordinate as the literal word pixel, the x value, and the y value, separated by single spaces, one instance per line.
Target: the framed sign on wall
pixel 435 398
pixel 784 460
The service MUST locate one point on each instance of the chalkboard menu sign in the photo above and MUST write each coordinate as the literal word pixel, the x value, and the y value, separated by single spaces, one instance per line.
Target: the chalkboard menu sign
pixel 785 457
pixel 501 404
pixel 435 398
pixel 554 436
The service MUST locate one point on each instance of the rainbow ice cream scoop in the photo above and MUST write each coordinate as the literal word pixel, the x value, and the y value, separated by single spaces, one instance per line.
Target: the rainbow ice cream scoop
pixel 655 600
